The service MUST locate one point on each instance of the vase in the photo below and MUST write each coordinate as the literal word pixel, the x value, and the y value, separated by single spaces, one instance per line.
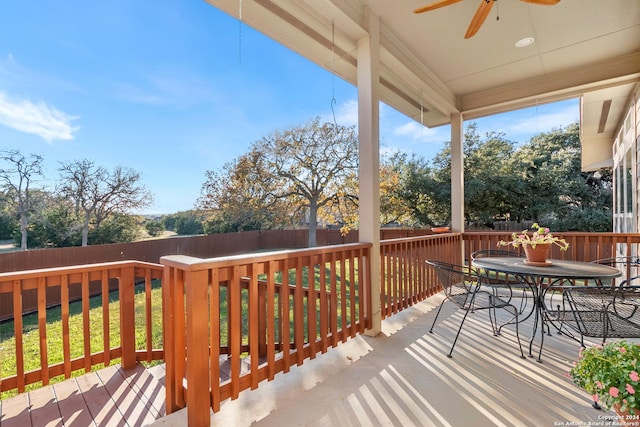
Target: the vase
pixel 539 254
pixel 626 418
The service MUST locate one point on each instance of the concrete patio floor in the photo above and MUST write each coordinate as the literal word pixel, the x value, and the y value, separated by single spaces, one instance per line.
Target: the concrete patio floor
pixel 403 377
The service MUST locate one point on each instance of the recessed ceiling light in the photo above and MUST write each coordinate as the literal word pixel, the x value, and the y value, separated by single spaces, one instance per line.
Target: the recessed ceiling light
pixel 525 42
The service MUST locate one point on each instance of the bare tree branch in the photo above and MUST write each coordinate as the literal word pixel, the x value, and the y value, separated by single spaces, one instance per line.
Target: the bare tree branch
pixel 17 178
pixel 98 194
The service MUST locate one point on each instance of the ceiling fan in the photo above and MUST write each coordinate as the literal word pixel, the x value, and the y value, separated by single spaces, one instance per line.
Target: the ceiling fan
pixel 481 13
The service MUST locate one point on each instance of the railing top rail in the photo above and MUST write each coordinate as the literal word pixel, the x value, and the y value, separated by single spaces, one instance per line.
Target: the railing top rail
pixel 195 264
pixel 423 237
pixel 571 233
pixel 56 271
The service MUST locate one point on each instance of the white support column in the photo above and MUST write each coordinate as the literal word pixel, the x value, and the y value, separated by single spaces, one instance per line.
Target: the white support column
pixel 457 175
pixel 369 157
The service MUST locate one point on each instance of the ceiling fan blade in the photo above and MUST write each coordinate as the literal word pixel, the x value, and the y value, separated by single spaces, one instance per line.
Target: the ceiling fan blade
pixel 478 18
pixel 436 5
pixel 542 2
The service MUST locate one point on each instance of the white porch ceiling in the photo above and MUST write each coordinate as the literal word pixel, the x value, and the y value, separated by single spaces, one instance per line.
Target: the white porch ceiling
pixel 583 48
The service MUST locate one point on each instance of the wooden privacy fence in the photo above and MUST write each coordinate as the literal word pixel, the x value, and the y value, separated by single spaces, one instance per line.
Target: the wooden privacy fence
pixel 118 334
pixel 205 246
pixel 279 307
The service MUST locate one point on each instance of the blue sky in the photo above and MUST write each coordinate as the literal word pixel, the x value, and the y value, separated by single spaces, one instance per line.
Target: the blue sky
pixel 176 88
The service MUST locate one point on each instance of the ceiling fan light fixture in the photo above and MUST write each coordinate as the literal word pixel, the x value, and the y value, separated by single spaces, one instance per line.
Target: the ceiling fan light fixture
pixel 524 42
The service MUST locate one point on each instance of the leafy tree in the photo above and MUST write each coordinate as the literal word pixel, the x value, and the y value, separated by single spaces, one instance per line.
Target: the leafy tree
pixel 240 197
pixel 538 181
pixel 98 194
pixel 169 221
pixel 8 223
pixel 424 198
pixel 394 209
pixel 555 188
pixel 55 225
pixel 487 180
pixel 303 171
pixel 590 219
pixel 116 228
pixel 489 177
pixel 154 227
pixel 184 222
pixel 8 226
pixel 342 209
pixel 307 162
pixel 189 224
pixel 541 169
pixel 17 177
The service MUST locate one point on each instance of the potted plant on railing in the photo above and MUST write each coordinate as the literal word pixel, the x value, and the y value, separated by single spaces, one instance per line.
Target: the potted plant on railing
pixel 536 245
pixel 610 374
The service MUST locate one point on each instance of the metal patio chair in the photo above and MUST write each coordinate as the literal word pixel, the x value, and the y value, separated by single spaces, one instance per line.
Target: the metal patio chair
pixel 628 265
pixel 598 311
pixel 462 286
pixel 506 286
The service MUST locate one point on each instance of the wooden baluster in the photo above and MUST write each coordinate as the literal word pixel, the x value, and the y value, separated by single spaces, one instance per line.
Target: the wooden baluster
pixel 127 317
pixel 106 331
pixel 42 329
pixel 214 338
pixel 17 328
pixel 64 310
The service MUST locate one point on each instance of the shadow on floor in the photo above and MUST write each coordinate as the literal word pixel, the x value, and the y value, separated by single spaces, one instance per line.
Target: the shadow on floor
pixel 402 377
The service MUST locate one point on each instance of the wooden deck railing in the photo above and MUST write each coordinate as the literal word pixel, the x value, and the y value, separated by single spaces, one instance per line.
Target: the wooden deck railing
pixel 52 287
pixel 280 307
pixel 405 277
pixel 582 246
pixel 263 312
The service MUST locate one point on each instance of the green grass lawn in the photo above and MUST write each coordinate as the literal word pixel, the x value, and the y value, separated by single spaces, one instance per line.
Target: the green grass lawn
pixel 31 346
pixel 31 338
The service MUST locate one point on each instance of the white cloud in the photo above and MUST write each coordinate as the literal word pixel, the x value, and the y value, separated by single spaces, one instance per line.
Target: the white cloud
pixel 346 114
pixel 38 119
pixel 547 121
pixel 523 124
pixel 409 129
pixel 415 130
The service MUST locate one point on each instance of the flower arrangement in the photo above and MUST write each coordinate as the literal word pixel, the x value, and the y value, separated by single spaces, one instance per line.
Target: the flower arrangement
pixel 610 374
pixel 541 235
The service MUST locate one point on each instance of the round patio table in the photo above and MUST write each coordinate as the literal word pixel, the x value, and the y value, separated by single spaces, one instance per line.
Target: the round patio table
pixel 534 276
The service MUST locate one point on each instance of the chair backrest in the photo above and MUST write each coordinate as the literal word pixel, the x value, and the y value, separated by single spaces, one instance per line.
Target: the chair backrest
pixel 606 312
pixel 626 304
pixel 490 277
pixel 483 253
pixel 459 282
pixel 628 266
